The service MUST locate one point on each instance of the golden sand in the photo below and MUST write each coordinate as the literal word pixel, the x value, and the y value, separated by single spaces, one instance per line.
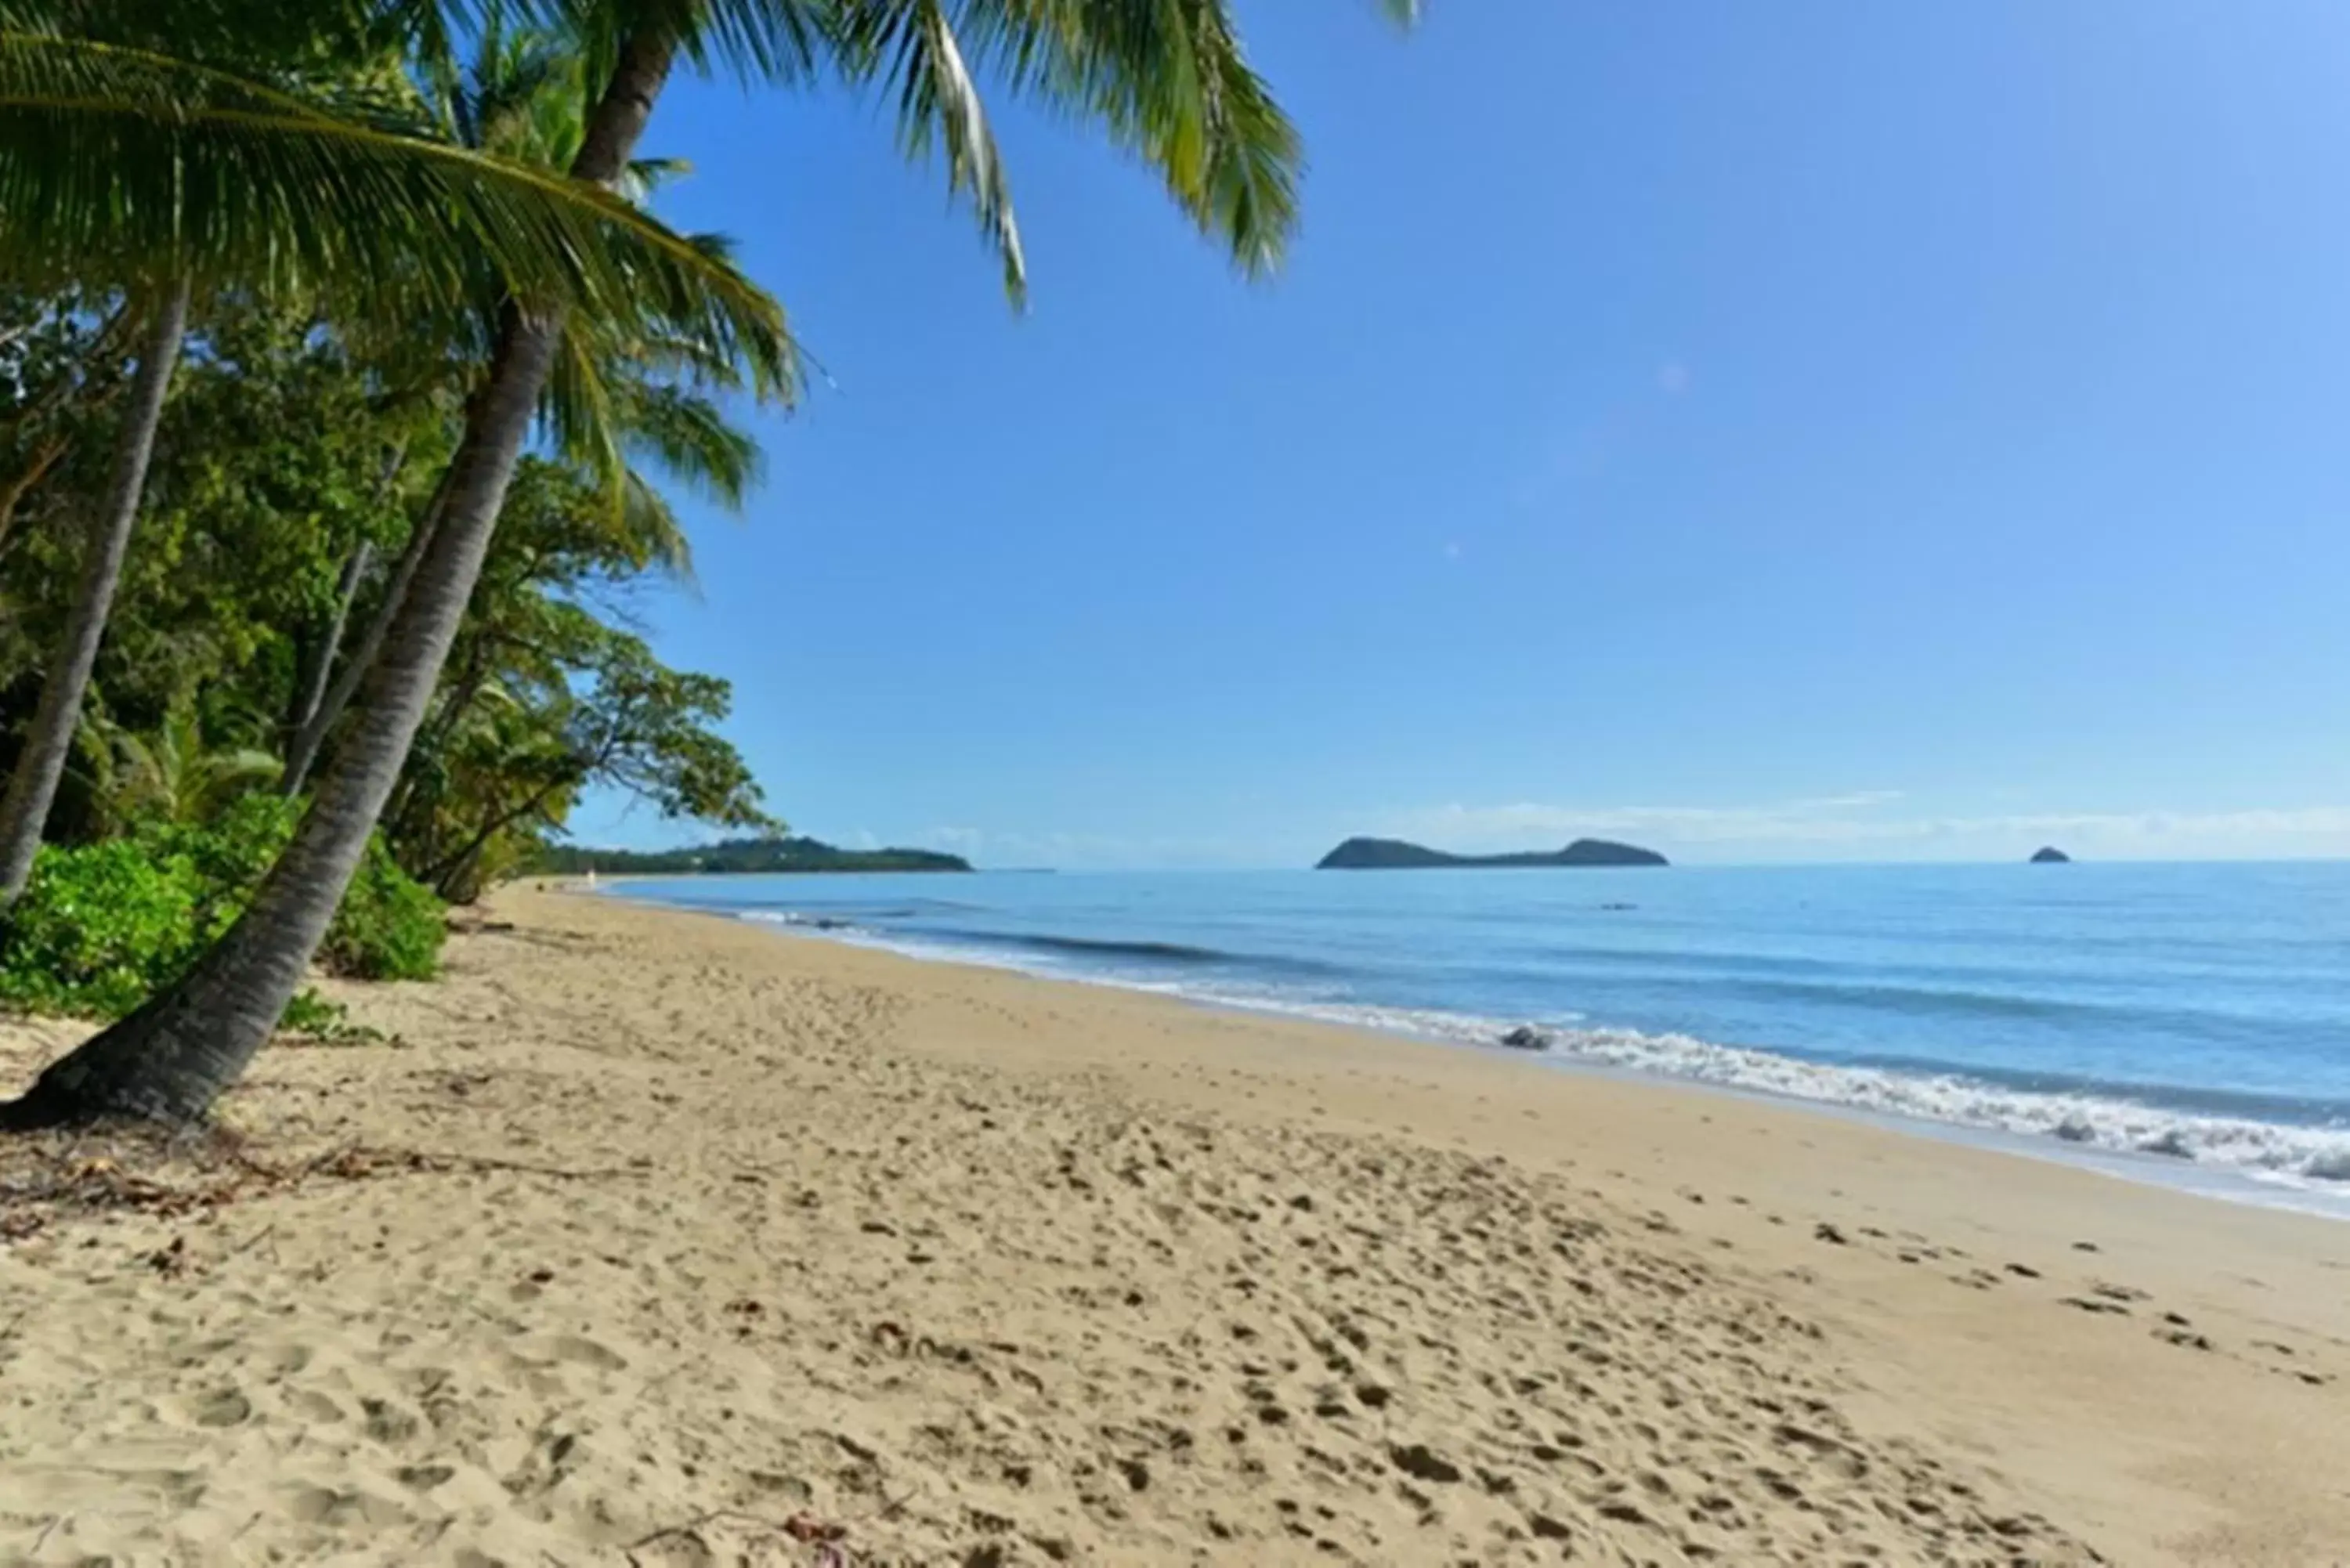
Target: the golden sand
pixel 655 1238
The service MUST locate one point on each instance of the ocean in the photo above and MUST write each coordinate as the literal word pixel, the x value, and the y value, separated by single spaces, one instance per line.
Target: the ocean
pixel 2176 1023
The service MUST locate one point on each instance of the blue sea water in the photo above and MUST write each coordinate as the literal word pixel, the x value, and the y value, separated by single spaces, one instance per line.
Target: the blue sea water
pixel 2183 1017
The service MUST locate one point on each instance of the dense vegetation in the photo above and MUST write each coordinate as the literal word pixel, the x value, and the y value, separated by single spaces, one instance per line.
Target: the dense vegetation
pixel 102 925
pixel 281 500
pixel 741 854
pixel 293 477
pixel 284 488
pixel 344 369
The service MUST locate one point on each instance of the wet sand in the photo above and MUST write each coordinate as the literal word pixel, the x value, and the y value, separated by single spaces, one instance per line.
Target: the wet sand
pixel 661 1239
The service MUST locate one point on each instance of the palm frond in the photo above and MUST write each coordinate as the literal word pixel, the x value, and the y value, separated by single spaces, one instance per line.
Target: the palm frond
pixel 652 528
pixel 689 437
pixel 610 411
pixel 910 47
pixel 121 163
pixel 646 176
pixel 579 416
pixel 527 99
pixel 774 42
pixel 1166 79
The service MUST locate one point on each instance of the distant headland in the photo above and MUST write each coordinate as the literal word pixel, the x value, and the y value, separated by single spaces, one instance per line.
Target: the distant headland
pixel 1395 855
pixel 2049 854
pixel 740 856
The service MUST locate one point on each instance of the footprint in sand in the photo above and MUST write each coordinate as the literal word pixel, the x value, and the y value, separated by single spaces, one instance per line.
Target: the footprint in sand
pixel 221 1408
pixel 324 1505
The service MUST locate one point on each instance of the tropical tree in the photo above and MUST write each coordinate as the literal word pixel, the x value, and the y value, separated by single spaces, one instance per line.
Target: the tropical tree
pixel 165 175
pixel 549 690
pixel 33 786
pixel 270 476
pixel 268 481
pixel 1165 79
pixel 620 397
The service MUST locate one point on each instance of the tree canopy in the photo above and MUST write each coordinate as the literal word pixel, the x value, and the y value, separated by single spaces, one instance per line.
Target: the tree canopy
pixel 356 308
pixel 282 460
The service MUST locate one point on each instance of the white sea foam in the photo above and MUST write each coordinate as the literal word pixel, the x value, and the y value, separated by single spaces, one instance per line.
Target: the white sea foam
pixel 831 925
pixel 2274 1153
pixel 2089 1121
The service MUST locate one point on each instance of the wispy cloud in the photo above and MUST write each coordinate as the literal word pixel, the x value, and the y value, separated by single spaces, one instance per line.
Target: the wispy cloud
pixel 997 847
pixel 1869 820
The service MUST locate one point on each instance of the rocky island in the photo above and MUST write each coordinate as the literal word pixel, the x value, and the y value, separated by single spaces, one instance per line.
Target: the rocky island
pixel 2049 854
pixel 1395 855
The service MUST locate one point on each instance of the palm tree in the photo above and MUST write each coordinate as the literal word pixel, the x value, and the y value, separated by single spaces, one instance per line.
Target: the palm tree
pixel 1166 78
pixel 618 396
pixel 169 174
pixel 33 786
pixel 612 405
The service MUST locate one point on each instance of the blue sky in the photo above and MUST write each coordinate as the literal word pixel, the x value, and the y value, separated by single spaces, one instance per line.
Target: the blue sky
pixel 1806 431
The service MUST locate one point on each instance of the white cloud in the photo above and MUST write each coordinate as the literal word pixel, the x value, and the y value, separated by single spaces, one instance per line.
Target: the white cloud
pixel 1858 823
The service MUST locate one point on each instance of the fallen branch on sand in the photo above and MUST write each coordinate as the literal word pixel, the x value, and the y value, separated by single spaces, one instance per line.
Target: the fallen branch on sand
pixel 45 1178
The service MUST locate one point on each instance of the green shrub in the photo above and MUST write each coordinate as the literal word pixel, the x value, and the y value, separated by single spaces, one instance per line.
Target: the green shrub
pixel 98 929
pixel 391 926
pixel 101 926
pixel 228 854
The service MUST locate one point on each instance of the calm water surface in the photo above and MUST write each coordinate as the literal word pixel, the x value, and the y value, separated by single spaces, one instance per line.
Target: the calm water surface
pixel 2189 1017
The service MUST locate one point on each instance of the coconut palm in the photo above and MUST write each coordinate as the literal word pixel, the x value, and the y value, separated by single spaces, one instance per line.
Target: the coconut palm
pixel 1165 79
pixel 619 397
pixel 169 175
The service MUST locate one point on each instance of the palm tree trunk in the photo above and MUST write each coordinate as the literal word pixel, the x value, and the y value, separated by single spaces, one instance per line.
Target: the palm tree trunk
pixel 452 700
pixel 317 661
pixel 318 654
pixel 302 751
pixel 34 785
pixel 171 1059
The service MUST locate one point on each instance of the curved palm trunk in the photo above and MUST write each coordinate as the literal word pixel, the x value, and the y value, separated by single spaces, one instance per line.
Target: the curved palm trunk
pixel 34 785
pixel 317 651
pixel 318 661
pixel 302 751
pixel 173 1057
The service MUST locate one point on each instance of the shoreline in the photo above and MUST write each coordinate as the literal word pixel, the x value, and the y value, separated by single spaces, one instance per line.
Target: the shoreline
pixel 2316 1197
pixel 667 1222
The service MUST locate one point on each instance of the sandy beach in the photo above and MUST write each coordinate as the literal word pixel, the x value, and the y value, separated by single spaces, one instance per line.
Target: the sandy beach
pixel 658 1239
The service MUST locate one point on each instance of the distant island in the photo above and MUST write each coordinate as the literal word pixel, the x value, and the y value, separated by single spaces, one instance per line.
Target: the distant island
pixel 1395 855
pixel 737 856
pixel 2049 854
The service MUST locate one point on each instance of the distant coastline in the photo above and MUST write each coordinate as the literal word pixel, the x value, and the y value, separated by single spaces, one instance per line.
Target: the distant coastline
pixel 1395 855
pixel 740 856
